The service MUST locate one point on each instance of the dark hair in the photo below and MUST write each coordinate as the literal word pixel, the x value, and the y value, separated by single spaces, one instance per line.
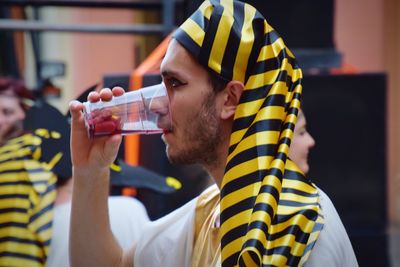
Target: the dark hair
pixel 218 83
pixel 16 88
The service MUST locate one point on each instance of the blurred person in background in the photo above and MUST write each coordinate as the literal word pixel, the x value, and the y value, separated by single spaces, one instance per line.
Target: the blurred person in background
pixel 301 143
pixel 36 188
pixel 341 250
pixel 128 216
pixel 15 100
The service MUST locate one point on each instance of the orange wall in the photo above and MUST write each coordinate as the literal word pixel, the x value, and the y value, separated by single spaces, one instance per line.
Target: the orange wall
pixel 392 63
pixel 367 34
pixel 97 54
pixel 359 33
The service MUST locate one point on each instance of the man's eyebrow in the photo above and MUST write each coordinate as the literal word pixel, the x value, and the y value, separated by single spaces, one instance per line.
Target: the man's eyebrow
pixel 169 73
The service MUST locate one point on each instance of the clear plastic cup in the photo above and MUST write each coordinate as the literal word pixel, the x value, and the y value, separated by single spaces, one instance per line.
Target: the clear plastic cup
pixel 143 111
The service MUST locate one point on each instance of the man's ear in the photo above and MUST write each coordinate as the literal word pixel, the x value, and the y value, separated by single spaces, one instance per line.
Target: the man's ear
pixel 231 97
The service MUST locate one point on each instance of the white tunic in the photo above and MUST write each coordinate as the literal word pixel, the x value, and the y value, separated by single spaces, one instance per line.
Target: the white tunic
pixel 169 241
pixel 127 219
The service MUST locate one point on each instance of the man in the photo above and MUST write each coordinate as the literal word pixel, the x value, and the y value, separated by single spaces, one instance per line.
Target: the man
pixel 234 92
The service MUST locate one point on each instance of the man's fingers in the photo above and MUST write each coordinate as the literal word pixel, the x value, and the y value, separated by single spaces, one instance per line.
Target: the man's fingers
pixel 93 97
pixel 106 94
pixel 75 108
pixel 118 91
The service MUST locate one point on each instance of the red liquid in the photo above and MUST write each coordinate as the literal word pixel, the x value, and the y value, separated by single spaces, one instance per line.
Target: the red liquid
pixel 93 133
pixel 110 120
pixel 103 123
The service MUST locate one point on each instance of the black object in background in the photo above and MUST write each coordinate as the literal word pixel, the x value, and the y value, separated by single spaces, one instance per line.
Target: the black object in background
pixel 8 57
pixel 306 27
pixel 346 116
pixel 301 23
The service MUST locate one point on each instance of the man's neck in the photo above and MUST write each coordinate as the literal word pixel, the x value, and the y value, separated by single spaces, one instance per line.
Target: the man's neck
pixel 217 173
pixel 217 169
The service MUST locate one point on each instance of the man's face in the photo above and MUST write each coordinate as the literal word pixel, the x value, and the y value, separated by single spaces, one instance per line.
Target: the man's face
pixel 11 116
pixel 196 130
pixel 301 144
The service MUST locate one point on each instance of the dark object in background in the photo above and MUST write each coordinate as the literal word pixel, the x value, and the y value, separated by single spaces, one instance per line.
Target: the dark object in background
pixel 125 175
pixel 346 116
pixel 8 56
pixel 301 23
pixel 46 117
pixel 305 25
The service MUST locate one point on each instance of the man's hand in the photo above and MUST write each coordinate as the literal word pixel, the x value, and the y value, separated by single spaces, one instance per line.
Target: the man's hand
pixel 91 240
pixel 98 153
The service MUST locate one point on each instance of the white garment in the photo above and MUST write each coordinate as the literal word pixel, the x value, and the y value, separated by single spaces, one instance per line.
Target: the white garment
pixel 333 247
pixel 128 217
pixel 168 242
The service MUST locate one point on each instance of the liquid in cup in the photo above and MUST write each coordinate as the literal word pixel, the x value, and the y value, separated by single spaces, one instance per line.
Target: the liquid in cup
pixel 136 112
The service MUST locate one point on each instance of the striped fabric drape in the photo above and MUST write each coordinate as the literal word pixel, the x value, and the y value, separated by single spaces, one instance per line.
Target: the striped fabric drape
pixel 27 195
pixel 270 213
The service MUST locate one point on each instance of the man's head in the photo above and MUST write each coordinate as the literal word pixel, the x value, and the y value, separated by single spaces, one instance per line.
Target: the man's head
pixel 12 107
pixel 301 144
pixel 202 108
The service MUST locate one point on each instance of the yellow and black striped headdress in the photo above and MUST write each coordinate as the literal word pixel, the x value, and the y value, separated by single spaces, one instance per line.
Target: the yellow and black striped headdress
pixel 270 213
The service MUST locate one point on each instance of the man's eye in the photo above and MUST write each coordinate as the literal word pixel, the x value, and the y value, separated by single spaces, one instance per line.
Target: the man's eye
pixel 8 112
pixel 174 82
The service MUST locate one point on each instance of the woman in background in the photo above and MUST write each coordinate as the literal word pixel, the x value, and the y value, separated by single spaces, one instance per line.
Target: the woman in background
pixel 301 144
pixel 338 253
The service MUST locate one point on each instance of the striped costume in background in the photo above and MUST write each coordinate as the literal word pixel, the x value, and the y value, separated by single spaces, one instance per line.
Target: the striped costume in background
pixel 27 195
pixel 270 213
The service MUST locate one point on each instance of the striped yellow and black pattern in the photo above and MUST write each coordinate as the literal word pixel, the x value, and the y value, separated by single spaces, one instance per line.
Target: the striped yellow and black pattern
pixel 27 195
pixel 270 213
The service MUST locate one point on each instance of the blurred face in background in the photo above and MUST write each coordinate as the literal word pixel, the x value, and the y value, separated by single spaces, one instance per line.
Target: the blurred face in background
pixel 11 116
pixel 301 144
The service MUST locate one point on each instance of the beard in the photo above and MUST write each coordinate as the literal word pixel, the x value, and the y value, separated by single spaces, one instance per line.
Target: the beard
pixel 201 137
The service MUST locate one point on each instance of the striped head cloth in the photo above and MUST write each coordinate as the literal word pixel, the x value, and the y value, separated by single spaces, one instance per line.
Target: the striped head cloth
pixel 270 213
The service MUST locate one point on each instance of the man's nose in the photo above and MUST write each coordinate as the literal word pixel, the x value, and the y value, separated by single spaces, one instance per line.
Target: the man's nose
pixel 160 103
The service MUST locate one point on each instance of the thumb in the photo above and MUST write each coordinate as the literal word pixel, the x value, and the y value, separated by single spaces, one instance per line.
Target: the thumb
pixel 77 120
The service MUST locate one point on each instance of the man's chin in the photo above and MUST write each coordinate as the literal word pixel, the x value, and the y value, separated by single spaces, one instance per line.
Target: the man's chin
pixel 168 153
